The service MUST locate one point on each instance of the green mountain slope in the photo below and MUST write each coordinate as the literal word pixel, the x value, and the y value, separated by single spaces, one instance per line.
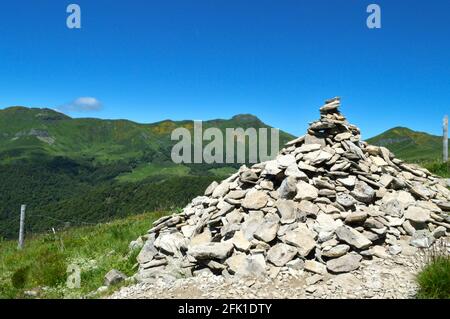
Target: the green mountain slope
pixel 76 171
pixel 410 145
pixel 28 132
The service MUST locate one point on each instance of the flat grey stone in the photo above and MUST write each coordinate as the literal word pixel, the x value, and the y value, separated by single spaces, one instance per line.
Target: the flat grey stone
pixel 281 254
pixel 352 237
pixel 346 263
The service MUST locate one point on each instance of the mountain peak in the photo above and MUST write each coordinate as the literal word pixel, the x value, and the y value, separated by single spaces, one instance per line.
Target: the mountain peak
pixel 409 144
pixel 39 113
pixel 245 118
pixel 401 129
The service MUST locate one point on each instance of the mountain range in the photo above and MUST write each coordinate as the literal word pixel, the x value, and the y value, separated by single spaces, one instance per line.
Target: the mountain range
pixel 30 132
pixel 26 132
pixel 79 171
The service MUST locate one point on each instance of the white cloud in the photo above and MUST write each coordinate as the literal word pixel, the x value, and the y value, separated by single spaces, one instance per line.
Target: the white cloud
pixel 82 104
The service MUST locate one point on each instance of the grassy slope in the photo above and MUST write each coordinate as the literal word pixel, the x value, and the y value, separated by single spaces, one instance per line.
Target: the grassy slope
pixel 104 140
pixel 22 131
pixel 43 263
pixel 413 146
pixel 438 167
pixel 144 171
pixel 410 145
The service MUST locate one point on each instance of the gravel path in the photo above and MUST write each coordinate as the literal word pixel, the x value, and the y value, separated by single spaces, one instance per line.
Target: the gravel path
pixel 393 277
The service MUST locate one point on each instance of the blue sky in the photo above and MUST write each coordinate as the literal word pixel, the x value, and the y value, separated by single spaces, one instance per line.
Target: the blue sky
pixel 152 60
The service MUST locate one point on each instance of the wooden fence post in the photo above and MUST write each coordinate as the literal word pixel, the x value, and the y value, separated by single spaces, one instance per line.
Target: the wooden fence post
pixel 22 226
pixel 446 138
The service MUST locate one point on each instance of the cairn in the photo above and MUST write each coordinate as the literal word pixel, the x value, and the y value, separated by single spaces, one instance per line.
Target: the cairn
pixel 328 201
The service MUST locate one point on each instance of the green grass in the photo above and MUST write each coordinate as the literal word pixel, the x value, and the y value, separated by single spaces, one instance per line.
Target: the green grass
pixel 434 279
pixel 223 171
pixel 42 265
pixel 147 170
pixel 438 167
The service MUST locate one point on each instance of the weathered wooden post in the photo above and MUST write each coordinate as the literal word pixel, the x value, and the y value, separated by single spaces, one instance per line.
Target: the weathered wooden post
pixel 22 226
pixel 446 138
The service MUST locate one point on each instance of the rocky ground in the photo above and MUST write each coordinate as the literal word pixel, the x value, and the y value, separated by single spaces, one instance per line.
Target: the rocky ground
pixel 389 277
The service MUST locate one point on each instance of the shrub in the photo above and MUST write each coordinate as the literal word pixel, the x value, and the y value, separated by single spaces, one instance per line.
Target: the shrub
pixel 434 279
pixel 49 268
pixel 438 168
pixel 20 277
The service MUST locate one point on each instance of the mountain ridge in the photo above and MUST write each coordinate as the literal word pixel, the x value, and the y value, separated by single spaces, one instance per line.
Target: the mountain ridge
pixel 409 144
pixel 24 131
pixel 15 108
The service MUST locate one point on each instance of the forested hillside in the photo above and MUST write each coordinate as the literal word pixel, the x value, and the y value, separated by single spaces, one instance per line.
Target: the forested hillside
pixel 83 171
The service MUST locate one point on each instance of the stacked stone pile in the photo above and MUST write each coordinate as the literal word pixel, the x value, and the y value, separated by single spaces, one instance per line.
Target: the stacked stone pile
pixel 328 201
